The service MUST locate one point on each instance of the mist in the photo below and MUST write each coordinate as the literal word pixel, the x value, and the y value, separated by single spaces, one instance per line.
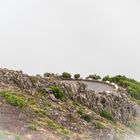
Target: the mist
pixel 79 36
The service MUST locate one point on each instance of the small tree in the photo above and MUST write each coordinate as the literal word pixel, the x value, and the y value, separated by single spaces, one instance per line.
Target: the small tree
pixel 76 76
pixel 94 77
pixel 47 74
pixel 106 78
pixel 66 75
pixel 50 75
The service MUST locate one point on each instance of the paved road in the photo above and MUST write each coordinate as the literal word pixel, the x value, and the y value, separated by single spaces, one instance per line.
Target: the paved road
pixel 93 85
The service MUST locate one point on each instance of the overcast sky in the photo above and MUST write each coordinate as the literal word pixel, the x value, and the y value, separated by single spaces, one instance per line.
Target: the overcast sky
pixel 84 36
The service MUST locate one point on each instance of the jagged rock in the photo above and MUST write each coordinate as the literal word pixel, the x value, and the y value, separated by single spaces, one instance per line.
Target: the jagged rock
pixel 122 108
pixel 52 97
pixel 115 102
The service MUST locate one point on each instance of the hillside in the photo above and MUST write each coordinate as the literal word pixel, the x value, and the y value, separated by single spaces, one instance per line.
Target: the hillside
pixel 50 108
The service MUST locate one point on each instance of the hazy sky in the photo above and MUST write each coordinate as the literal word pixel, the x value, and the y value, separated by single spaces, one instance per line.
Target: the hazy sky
pixel 84 36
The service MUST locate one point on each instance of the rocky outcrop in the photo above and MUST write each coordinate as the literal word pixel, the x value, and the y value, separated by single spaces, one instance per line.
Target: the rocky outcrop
pixel 117 103
pixel 24 81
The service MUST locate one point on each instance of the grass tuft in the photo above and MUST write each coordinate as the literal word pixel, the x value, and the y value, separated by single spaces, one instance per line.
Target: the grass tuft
pixel 32 126
pixel 13 99
pixel 107 115
pixel 99 125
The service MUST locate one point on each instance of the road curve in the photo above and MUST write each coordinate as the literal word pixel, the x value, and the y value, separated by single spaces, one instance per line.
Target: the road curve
pixel 93 85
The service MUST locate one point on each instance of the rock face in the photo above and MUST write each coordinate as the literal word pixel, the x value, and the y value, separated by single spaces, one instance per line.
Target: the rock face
pixel 121 107
pixel 24 81
pixel 117 103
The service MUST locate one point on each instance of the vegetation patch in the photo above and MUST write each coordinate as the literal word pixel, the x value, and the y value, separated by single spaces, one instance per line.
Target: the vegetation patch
pixel 107 115
pixel 65 132
pixel 32 126
pixel 40 112
pixel 13 99
pixel 132 86
pixel 58 92
pixel 94 77
pixel 84 116
pixel 31 101
pixel 66 75
pixel 76 76
pixel 99 125
pixel 51 124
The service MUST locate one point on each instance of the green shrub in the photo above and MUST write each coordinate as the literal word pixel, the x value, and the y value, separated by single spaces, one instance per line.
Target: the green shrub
pixel 107 115
pixel 50 75
pixel 106 78
pixel 132 86
pixel 99 125
pixel 47 74
pixel 94 77
pixel 76 76
pixel 66 75
pixel 13 99
pixel 58 93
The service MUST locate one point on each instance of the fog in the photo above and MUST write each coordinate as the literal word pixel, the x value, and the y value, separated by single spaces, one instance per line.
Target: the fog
pixel 78 36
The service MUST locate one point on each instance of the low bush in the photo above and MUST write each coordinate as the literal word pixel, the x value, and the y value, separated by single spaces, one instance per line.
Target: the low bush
pixel 58 92
pixel 47 74
pixel 13 99
pixel 76 76
pixel 50 75
pixel 99 125
pixel 107 115
pixel 94 77
pixel 66 75
pixel 132 86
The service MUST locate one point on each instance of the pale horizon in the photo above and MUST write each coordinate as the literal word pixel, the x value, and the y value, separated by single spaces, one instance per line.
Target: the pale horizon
pixel 86 37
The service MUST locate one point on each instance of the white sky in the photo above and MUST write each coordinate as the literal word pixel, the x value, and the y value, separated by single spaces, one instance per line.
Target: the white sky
pixel 84 36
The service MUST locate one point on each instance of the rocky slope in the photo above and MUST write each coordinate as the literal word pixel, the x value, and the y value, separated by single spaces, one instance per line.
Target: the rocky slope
pixel 34 107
